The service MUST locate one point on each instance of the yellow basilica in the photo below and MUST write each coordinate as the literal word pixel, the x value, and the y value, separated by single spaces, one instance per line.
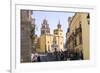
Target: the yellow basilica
pixel 48 42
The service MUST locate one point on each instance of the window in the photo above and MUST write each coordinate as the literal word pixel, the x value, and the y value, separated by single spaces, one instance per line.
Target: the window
pixel 45 49
pixel 75 42
pixel 80 38
pixel 88 18
pixel 49 48
pixel 88 21
pixel 56 33
pixel 61 43
pixel 68 30
pixel 55 42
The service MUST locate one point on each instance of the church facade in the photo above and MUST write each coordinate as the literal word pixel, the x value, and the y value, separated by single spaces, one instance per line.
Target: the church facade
pixel 49 42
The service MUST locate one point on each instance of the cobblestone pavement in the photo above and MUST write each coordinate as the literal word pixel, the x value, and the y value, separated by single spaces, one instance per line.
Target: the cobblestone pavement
pixel 47 57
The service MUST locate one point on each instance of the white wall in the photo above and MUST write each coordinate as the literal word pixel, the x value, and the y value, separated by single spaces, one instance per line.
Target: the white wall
pixel 5 36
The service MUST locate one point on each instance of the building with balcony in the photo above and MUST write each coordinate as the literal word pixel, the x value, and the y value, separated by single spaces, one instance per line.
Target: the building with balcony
pixel 78 34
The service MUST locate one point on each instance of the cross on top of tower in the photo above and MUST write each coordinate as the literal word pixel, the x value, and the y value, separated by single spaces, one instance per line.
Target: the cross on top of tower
pixel 59 25
pixel 45 21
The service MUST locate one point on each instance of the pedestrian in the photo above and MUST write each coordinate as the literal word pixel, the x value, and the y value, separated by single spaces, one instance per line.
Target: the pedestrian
pixel 62 56
pixel 38 59
pixel 35 57
pixel 32 57
pixel 81 55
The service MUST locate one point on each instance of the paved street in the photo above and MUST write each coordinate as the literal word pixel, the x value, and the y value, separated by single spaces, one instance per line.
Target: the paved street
pixel 58 56
pixel 47 57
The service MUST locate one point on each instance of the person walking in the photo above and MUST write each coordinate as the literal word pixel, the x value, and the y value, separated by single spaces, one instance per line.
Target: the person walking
pixel 62 56
pixel 38 58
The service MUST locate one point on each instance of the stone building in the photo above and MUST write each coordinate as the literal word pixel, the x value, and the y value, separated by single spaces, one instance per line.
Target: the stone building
pixel 33 36
pixel 78 34
pixel 26 43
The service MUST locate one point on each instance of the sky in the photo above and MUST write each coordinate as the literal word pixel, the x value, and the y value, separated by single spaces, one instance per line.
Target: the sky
pixel 53 19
